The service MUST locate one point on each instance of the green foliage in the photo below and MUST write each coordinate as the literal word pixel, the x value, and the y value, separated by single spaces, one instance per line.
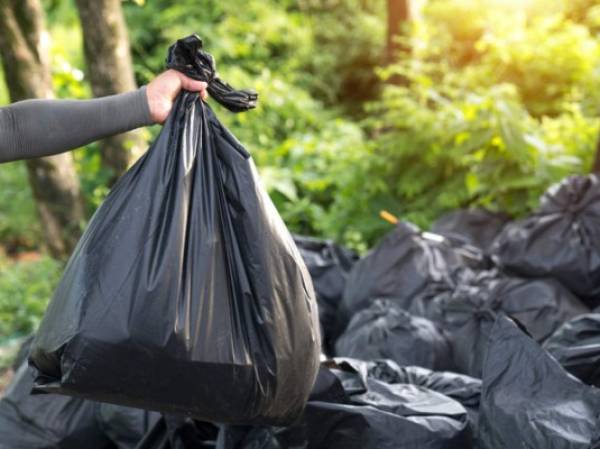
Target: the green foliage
pixel 500 99
pixel 4 97
pixel 25 288
pixel 487 115
pixel 19 226
pixel 550 60
pixel 348 44
pixel 444 146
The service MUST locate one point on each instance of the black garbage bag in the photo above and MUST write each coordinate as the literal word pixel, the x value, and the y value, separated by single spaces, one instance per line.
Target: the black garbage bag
pixel 186 293
pixel 403 265
pixel 328 265
pixel 48 421
pixel 349 411
pixel 477 227
pixel 353 405
pixel 60 422
pixel 385 331
pixel 124 426
pixel 561 240
pixel 576 346
pixel 469 312
pixel 464 389
pixel 178 432
pixel 529 401
pixel 235 437
pixel 175 432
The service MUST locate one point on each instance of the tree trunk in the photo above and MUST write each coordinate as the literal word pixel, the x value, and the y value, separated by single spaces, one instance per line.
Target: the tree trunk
pixel 24 48
pixel 399 13
pixel 110 70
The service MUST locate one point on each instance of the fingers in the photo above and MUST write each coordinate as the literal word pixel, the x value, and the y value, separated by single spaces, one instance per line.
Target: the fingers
pixel 193 85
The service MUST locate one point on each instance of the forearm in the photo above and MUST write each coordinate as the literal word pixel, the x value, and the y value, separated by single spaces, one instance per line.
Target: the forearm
pixel 36 128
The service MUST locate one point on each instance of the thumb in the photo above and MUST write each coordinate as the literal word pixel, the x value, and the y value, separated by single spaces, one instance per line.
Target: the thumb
pixel 191 85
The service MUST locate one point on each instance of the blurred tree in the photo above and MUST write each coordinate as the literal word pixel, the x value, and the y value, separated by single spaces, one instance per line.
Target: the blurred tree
pixel 110 70
pixel 54 182
pixel 399 13
pixel 596 163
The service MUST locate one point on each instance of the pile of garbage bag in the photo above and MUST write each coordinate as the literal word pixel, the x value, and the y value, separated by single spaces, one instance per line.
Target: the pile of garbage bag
pixel 386 331
pixel 329 265
pixel 353 405
pixel 476 227
pixel 189 317
pixel 560 240
pixel 406 263
pixel 576 346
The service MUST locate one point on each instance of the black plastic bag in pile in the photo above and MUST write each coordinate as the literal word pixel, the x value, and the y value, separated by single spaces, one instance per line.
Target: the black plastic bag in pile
pixel 477 227
pixel 349 408
pixel 529 401
pixel 561 240
pixel 47 422
pixel 385 331
pixel 61 422
pixel 328 265
pixel 576 346
pixel 349 411
pixel 468 313
pixel 173 432
pixel 178 432
pixel 124 426
pixel 403 265
pixel 464 389
pixel 186 293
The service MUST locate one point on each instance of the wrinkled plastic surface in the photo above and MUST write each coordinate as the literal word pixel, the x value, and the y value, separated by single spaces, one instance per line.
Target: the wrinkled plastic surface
pixel 353 405
pixel 328 265
pixel 385 331
pixel 468 312
pixel 461 388
pixel 477 227
pixel 529 401
pixel 124 426
pixel 561 240
pixel 576 346
pixel 61 422
pixel 47 422
pixel 402 266
pixel 186 294
pixel 350 412
pixel 176 432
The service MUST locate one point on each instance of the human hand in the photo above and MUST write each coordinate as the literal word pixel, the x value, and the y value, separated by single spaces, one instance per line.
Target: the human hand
pixel 163 90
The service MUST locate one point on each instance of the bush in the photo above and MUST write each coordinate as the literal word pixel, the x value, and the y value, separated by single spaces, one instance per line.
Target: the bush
pixel 438 145
pixel 25 289
pixel 19 226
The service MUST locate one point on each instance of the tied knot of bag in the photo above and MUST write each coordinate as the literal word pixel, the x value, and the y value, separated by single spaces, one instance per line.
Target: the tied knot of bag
pixel 187 56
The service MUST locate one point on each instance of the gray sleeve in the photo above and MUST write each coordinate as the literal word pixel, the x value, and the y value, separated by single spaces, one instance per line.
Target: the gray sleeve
pixel 36 128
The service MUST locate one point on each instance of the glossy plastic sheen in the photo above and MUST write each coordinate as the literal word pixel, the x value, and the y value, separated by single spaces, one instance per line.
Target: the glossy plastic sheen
pixel 576 346
pixel 384 330
pixel 186 293
pixel 561 240
pixel 529 401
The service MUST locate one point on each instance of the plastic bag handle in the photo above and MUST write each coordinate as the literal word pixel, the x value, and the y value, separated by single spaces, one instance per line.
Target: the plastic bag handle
pixel 187 56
